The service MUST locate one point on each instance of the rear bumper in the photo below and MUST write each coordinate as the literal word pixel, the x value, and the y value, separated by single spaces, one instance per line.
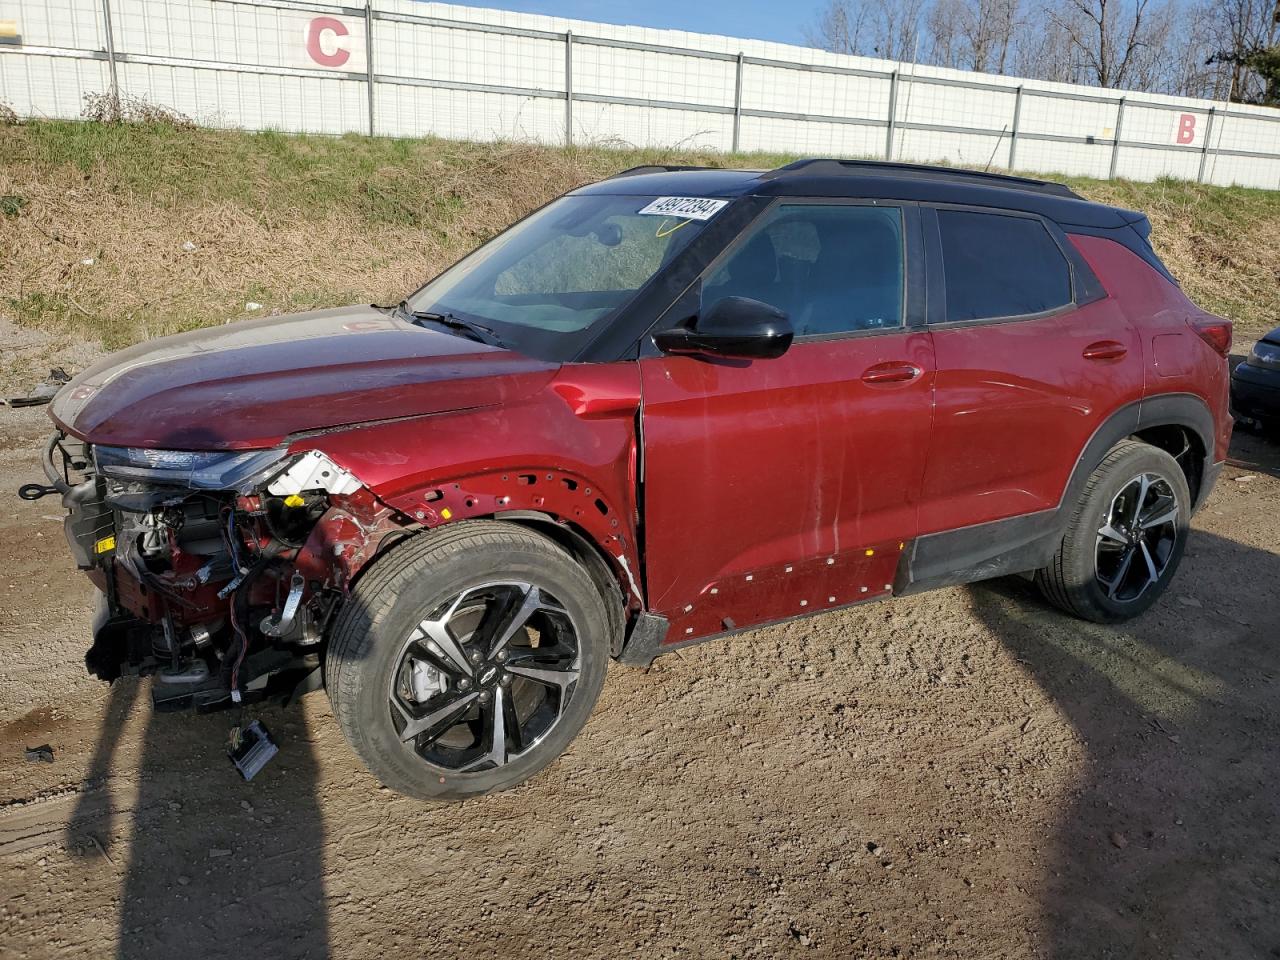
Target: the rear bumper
pixel 1255 391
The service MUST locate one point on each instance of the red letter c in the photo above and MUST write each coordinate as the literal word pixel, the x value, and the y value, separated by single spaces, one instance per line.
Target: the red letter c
pixel 316 29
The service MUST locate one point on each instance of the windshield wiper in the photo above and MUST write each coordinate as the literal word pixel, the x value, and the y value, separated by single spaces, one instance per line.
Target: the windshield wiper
pixel 471 328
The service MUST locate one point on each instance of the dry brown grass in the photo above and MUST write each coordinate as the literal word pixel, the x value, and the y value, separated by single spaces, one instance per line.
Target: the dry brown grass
pixel 120 232
pixel 116 108
pixel 102 248
pixel 123 268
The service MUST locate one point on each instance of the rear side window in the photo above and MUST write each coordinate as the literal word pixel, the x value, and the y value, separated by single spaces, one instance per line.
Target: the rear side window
pixel 999 266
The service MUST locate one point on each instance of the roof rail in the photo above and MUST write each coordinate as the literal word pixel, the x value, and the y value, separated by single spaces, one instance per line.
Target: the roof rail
pixel 656 168
pixel 820 167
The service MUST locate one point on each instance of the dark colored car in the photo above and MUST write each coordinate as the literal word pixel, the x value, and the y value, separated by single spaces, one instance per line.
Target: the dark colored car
pixel 1255 382
pixel 670 406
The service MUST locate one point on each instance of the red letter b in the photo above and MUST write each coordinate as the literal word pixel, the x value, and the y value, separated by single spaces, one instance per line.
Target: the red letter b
pixel 1187 128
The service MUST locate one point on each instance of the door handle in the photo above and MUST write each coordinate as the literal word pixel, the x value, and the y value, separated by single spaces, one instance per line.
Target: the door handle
pixel 893 371
pixel 1105 350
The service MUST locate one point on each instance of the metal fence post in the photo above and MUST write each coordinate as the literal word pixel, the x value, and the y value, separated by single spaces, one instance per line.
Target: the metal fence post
pixel 368 57
pixel 893 114
pixel 1013 134
pixel 568 88
pixel 737 103
pixel 1204 150
pixel 1115 144
pixel 111 53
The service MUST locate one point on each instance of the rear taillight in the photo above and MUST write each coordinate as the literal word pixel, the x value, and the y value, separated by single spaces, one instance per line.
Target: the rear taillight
pixel 1214 331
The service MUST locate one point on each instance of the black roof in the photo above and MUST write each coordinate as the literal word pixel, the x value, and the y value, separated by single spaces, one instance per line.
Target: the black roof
pixel 872 180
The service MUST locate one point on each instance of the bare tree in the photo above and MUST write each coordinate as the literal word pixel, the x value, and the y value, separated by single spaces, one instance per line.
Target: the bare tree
pixel 943 26
pixel 1199 48
pixel 1241 32
pixel 1046 53
pixel 839 28
pixel 1186 52
pixel 1151 66
pixel 972 34
pixel 1113 38
pixel 889 29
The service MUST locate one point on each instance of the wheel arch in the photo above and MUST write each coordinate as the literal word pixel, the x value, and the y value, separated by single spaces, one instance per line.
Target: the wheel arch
pixel 566 507
pixel 1182 425
pixel 589 514
pixel 605 571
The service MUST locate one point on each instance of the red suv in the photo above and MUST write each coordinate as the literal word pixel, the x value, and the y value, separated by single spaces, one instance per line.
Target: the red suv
pixel 670 406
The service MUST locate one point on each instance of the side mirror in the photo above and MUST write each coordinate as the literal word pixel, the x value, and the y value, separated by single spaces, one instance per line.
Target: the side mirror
pixel 735 327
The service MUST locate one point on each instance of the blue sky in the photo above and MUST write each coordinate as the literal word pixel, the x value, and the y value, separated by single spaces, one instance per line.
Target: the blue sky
pixel 759 19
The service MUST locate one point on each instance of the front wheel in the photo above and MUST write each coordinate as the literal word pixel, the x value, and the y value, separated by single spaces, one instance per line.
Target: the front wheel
pixel 1125 537
pixel 466 660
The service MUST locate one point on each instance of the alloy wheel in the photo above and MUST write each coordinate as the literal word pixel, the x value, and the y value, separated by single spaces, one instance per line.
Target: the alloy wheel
pixel 485 677
pixel 1137 538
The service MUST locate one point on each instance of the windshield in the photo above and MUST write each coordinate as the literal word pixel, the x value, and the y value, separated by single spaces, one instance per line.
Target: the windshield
pixel 567 268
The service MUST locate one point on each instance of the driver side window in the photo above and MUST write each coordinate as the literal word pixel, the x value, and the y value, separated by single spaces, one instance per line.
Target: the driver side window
pixel 832 268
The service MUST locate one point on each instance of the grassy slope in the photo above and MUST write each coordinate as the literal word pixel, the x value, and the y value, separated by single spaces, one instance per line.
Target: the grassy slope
pixel 292 222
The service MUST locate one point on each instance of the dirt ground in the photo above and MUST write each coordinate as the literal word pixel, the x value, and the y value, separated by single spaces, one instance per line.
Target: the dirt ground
pixel 962 774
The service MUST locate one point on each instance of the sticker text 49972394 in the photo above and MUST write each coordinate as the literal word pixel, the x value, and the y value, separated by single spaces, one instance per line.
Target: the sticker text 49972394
pixel 686 208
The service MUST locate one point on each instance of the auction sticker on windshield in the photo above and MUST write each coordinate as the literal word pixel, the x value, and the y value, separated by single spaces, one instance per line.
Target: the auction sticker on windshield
pixel 686 208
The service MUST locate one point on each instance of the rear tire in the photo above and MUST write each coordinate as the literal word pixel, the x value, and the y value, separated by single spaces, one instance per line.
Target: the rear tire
pixel 1125 537
pixel 488 639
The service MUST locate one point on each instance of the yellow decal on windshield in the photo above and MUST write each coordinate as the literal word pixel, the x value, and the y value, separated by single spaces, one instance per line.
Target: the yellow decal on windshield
pixel 665 231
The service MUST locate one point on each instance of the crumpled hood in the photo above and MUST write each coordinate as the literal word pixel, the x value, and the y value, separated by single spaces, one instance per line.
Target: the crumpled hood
pixel 249 385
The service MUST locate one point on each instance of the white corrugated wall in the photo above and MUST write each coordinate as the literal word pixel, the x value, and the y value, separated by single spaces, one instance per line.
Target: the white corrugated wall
pixel 472 73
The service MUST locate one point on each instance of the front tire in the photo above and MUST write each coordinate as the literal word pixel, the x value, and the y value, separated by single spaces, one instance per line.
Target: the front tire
pixel 467 659
pixel 1125 537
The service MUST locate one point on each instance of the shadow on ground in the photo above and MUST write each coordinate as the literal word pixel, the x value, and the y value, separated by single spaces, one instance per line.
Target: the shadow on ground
pixel 214 868
pixel 1156 854
pixel 1256 449
pixel 1183 739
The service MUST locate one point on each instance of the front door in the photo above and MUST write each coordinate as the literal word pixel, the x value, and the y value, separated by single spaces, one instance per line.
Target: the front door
pixel 775 488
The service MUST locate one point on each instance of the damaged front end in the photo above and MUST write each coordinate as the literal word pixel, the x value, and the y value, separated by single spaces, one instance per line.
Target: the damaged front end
pixel 220 571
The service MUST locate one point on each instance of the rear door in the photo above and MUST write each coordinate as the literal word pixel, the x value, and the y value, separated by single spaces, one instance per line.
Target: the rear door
pixel 775 488
pixel 1031 357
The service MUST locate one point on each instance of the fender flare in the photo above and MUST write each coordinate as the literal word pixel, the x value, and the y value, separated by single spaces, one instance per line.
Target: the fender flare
pixel 1028 542
pixel 570 508
pixel 1184 410
pixel 1192 413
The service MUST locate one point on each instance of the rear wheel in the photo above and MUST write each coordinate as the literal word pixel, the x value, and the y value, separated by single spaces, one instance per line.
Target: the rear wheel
pixel 465 661
pixel 1125 537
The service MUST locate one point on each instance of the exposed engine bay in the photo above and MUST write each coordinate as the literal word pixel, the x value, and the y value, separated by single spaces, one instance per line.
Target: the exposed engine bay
pixel 219 572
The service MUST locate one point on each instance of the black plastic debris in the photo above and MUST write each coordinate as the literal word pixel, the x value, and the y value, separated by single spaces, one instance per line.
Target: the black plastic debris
pixel 42 754
pixel 43 392
pixel 251 748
